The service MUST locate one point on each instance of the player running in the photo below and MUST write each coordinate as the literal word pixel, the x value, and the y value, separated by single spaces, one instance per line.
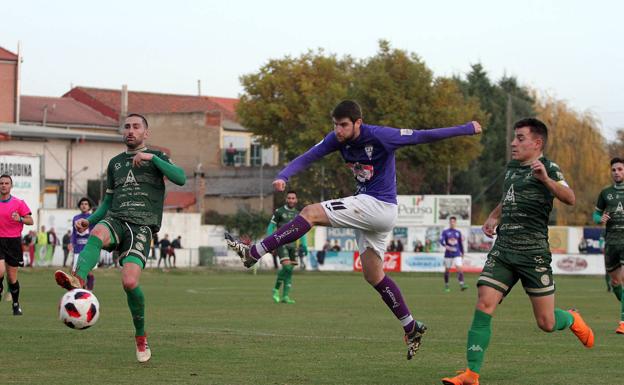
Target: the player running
pixel 521 251
pixel 369 152
pixel 128 216
pixel 14 214
pixel 610 212
pixel 287 253
pixel 451 240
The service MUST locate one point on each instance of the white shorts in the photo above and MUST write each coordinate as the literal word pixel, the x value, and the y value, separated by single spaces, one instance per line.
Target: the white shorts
pixel 371 218
pixel 457 261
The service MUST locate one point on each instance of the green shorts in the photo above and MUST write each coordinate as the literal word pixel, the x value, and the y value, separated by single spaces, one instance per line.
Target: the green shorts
pixel 286 253
pixel 613 256
pixel 132 241
pixel 504 267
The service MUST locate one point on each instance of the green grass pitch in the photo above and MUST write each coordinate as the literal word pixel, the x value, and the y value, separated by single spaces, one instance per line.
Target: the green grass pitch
pixel 208 327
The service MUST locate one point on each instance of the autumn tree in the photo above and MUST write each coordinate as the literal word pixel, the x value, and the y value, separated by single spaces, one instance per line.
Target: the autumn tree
pixel 577 146
pixel 288 101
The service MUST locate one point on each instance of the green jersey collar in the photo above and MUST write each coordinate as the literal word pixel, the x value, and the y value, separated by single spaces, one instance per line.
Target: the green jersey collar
pixel 136 151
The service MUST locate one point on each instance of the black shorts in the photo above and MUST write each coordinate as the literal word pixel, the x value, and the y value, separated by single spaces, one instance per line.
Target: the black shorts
pixel 11 251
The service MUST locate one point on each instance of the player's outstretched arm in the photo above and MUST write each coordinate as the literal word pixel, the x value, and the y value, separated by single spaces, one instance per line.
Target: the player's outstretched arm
pixel 100 213
pixel 328 145
pixel 173 172
pixel 396 138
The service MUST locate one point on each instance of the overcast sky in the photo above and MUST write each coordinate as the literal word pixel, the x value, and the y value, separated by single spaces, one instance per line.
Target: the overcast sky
pixel 573 50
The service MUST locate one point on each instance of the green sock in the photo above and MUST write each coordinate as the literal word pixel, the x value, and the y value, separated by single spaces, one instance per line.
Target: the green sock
pixel 280 278
pixel 89 256
pixel 617 290
pixel 136 303
pixel 287 279
pixel 563 319
pixel 478 339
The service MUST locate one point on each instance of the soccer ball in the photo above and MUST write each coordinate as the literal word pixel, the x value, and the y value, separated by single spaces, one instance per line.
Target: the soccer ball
pixel 79 309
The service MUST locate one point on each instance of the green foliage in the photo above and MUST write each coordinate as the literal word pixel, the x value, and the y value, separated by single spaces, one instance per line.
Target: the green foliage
pixel 484 178
pixel 252 224
pixel 288 103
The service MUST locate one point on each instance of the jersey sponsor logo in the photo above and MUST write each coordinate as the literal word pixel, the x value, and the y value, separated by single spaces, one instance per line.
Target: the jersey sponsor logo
pixel 279 237
pixel 475 348
pixel 369 151
pixel 541 269
pixel 130 180
pixel 406 132
pixel 619 208
pixel 362 172
pixel 141 237
pixel 117 166
pixel 511 195
pixel 139 246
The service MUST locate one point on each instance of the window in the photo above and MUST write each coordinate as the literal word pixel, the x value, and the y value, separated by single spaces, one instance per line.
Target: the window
pixel 255 155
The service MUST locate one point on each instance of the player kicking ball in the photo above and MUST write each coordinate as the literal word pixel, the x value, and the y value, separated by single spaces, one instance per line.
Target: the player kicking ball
pixel 129 214
pixel 369 152
pixel 521 251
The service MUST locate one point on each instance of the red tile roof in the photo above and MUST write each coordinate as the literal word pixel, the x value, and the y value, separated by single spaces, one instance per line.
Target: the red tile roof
pixel 108 102
pixel 61 111
pixel 179 199
pixel 7 55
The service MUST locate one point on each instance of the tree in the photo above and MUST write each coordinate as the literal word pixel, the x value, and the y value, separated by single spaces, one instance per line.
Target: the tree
pixel 288 103
pixel 504 101
pixel 397 89
pixel 577 146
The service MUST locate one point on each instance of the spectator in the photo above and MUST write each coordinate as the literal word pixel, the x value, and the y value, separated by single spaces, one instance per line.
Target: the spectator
pixel 419 247
pixel 66 243
pixel 336 246
pixel 391 246
pixel 230 154
pixel 176 244
pixel 399 246
pixel 165 244
pixel 320 255
pixel 52 240
pixel 41 246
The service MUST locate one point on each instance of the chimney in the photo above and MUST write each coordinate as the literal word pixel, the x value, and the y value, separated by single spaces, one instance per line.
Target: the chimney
pixel 124 104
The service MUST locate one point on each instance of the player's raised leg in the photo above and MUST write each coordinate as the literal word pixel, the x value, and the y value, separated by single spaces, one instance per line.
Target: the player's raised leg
pixel 87 259
pixel 311 215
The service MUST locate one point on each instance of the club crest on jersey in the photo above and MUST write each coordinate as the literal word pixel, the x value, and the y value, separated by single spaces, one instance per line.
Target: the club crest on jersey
pixel 117 166
pixel 510 196
pixel 369 151
pixel 130 180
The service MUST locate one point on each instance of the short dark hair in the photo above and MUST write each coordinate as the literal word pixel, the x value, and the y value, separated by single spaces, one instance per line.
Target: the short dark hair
pixel 536 127
pixel 452 218
pixel 347 109
pixel 291 192
pixel 7 176
pixel 616 160
pixel 85 199
pixel 139 116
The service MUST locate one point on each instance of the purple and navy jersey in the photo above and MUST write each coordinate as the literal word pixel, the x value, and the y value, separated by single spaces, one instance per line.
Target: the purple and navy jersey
pixel 370 156
pixel 452 238
pixel 79 240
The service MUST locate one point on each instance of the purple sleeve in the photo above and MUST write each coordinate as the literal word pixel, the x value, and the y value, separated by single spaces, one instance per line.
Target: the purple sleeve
pixel 394 138
pixel 328 145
